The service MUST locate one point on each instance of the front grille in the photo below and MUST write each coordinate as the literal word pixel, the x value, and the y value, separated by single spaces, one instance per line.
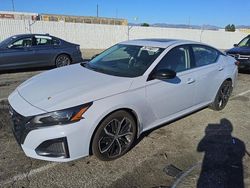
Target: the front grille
pixel 240 56
pixel 18 125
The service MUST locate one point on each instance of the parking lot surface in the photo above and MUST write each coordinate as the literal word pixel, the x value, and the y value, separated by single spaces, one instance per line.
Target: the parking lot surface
pixel 176 154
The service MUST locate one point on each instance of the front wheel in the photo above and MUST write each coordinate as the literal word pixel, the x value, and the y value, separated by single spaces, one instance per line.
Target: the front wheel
pixel 63 60
pixel 114 136
pixel 222 96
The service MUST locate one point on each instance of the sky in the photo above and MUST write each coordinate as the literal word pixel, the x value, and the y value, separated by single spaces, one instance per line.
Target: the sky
pixel 193 12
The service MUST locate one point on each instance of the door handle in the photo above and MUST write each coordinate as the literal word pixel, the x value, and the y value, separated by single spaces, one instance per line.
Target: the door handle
pixel 221 68
pixel 190 80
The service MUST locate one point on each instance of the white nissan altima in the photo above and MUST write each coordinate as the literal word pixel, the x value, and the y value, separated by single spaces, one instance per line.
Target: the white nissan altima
pixel 102 106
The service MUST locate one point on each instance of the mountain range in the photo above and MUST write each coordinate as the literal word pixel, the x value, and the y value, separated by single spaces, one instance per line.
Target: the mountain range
pixel 185 26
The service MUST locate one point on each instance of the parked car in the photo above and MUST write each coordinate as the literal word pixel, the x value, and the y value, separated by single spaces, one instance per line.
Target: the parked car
pixel 36 50
pixel 241 52
pixel 104 105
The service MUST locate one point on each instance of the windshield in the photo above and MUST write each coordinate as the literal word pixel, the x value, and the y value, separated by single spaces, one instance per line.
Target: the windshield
pixel 245 42
pixel 125 60
pixel 6 41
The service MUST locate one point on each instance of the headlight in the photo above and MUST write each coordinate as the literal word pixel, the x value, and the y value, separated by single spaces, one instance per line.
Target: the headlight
pixel 60 117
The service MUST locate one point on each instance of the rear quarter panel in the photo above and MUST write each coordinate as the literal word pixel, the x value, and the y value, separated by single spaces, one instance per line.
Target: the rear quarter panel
pixel 71 50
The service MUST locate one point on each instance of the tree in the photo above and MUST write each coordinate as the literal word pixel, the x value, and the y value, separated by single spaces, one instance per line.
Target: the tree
pixel 145 25
pixel 230 28
pixel 233 28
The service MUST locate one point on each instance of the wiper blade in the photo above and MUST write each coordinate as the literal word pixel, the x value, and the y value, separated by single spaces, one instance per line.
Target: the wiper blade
pixel 83 64
pixel 86 65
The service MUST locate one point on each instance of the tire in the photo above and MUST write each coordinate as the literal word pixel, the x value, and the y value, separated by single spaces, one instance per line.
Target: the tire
pixel 62 60
pixel 222 96
pixel 114 136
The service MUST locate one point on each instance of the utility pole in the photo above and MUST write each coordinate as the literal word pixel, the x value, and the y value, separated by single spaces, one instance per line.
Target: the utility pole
pixel 13 5
pixel 97 10
pixel 189 26
pixel 130 27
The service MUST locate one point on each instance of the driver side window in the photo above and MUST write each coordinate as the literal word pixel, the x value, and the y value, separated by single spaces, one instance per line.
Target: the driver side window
pixel 177 59
pixel 21 43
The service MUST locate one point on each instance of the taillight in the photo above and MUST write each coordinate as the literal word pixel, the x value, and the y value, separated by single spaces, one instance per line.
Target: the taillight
pixel 237 63
pixel 78 48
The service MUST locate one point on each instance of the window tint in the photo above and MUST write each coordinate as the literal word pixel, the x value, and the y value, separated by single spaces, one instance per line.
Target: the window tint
pixel 245 42
pixel 56 41
pixel 43 40
pixel 178 59
pixel 24 42
pixel 204 55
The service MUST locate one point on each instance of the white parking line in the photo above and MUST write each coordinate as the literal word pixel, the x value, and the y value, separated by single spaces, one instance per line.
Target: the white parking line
pixel 244 93
pixel 241 94
pixel 51 165
pixel 20 177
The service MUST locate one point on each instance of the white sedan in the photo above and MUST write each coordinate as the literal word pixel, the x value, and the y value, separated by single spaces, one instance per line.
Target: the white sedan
pixel 104 105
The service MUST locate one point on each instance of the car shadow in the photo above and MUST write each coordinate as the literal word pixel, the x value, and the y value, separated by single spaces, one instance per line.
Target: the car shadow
pixel 148 132
pixel 222 163
pixel 242 71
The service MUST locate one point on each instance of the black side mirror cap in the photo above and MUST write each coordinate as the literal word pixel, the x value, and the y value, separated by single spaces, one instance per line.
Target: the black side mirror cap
pixel 162 74
pixel 235 45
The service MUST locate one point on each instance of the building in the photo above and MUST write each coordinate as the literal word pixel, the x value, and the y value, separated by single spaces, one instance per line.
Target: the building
pixel 82 19
pixel 61 18
pixel 18 15
pixel 244 30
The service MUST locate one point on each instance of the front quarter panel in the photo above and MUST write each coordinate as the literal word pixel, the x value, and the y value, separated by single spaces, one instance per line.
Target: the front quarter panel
pixel 133 100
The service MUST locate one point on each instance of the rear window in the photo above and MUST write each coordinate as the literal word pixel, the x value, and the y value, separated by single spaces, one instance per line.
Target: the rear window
pixel 43 40
pixel 205 55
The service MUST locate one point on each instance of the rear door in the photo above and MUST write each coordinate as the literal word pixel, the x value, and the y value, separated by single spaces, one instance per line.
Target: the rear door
pixel 209 72
pixel 44 50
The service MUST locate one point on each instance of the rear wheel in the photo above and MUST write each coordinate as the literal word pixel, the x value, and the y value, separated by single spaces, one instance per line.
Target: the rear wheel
pixel 114 136
pixel 222 96
pixel 62 60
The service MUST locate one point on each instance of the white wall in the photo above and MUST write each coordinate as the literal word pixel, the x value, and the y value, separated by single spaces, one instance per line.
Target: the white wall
pixel 95 36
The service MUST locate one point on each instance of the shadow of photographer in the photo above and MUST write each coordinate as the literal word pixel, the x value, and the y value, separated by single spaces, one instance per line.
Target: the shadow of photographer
pixel 222 163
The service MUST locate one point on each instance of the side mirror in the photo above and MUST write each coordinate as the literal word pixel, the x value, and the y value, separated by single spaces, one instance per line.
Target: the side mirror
pixel 163 74
pixel 10 46
pixel 235 45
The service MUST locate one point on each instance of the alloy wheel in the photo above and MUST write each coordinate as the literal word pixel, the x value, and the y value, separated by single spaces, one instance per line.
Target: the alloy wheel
pixel 116 137
pixel 62 60
pixel 225 93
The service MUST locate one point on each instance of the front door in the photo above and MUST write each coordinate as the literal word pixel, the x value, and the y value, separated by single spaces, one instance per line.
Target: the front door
pixel 18 54
pixel 169 97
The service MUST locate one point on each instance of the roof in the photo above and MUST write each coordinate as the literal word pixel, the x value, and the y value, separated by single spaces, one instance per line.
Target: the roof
pixel 156 42
pixel 32 34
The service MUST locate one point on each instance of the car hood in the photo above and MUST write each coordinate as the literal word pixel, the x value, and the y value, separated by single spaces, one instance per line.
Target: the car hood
pixel 239 50
pixel 70 86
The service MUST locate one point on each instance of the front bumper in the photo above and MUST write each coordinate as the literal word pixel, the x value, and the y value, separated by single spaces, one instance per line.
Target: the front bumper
pixel 59 143
pixel 244 64
pixel 244 60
